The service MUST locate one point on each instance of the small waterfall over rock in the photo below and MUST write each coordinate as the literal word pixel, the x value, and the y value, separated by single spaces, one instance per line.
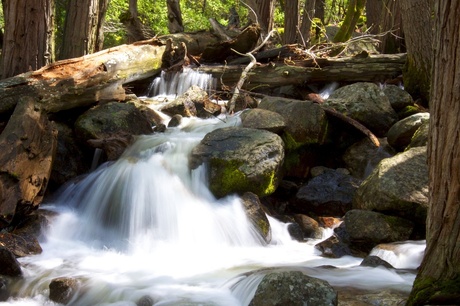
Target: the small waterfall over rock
pixel 176 83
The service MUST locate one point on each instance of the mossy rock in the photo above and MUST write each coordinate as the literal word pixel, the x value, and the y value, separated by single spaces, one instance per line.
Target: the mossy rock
pixel 240 160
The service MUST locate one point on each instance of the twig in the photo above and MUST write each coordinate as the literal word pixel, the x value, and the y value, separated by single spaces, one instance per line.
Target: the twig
pixel 244 76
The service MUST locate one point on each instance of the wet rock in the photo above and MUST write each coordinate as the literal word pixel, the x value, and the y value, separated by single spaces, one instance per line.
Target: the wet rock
pixel 4 292
pixel 192 103
pixel 71 160
pixel 9 266
pixel 366 103
pixel 111 119
pixel 293 288
pixel 256 214
pixel 401 133
pixel 398 97
pixel 309 226
pixel 240 160
pixel 367 229
pixel 263 119
pixel 398 186
pixel 146 301
pixel 375 261
pixel 356 297
pixel 306 122
pixel 420 137
pixel 175 121
pixel 295 231
pixel 328 194
pixel 113 146
pixel 334 247
pixel 63 289
pixel 362 157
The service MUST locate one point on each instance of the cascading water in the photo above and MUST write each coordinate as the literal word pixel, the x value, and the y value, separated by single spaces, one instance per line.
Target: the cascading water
pixel 147 226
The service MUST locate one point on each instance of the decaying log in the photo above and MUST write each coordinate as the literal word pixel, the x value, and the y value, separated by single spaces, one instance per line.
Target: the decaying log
pixel 85 80
pixel 28 145
pixel 374 68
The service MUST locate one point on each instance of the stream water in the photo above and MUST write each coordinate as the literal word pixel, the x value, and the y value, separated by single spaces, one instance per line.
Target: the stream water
pixel 146 225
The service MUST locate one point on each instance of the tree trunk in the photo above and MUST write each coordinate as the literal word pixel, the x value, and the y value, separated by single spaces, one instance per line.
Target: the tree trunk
pixel 136 30
pixel 82 30
pixel 175 24
pixel 438 279
pixel 374 9
pixel 291 21
pixel 307 17
pixel 28 42
pixel 264 10
pixel 391 20
pixel 354 11
pixel 416 16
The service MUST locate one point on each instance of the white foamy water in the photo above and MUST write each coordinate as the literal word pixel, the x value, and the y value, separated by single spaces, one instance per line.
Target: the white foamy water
pixel 146 225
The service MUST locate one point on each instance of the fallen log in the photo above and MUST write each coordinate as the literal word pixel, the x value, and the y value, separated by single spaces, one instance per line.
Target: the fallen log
pixel 28 145
pixel 374 68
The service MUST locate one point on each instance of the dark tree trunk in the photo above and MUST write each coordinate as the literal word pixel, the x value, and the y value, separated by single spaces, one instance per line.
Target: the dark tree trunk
pixel 264 10
pixel 391 20
pixel 416 16
pixel 28 42
pixel 291 21
pixel 135 29
pixel 175 24
pixel 374 9
pixel 307 17
pixel 438 279
pixel 82 30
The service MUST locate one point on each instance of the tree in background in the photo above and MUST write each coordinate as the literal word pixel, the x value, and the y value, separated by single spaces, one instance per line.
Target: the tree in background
pixel 28 42
pixel 354 11
pixel 264 10
pixel 175 24
pixel 307 17
pixel 416 16
pixel 291 21
pixel 83 32
pixel 438 279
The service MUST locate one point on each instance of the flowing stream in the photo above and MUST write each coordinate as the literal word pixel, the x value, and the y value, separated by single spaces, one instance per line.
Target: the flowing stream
pixel 147 226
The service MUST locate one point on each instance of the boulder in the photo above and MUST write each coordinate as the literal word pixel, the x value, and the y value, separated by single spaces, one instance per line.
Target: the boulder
pixel 256 214
pixel 9 265
pixel 400 134
pixel 420 137
pixel 240 160
pixel 113 118
pixel 375 261
pixel 334 247
pixel 309 226
pixel 398 186
pixel 362 157
pixel 328 194
pixel 306 122
pixel 63 289
pixel 366 229
pixel 192 103
pixel 398 97
pixel 293 288
pixel 367 104
pixel 263 119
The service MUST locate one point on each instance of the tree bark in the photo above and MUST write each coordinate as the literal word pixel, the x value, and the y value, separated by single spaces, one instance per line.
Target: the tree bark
pixel 307 17
pixel 375 68
pixel 438 279
pixel 264 10
pixel 416 16
pixel 175 24
pixel 391 20
pixel 27 147
pixel 354 10
pixel 28 42
pixel 291 21
pixel 82 30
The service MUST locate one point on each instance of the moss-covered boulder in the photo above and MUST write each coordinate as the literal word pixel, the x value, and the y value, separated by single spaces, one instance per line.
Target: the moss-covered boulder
pixel 366 103
pixel 397 186
pixel 420 137
pixel 240 160
pixel 398 97
pixel 400 134
pixel 107 120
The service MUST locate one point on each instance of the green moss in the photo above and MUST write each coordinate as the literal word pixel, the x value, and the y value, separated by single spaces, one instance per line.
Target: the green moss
pixel 264 226
pixel 428 290
pixel 417 80
pixel 227 178
pixel 408 111
pixel 289 142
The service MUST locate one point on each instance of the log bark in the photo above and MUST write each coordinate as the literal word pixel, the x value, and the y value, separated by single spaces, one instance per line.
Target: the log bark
pixel 84 80
pixel 28 145
pixel 374 68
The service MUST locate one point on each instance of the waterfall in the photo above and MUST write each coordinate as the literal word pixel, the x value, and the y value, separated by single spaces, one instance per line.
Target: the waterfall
pixel 147 226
